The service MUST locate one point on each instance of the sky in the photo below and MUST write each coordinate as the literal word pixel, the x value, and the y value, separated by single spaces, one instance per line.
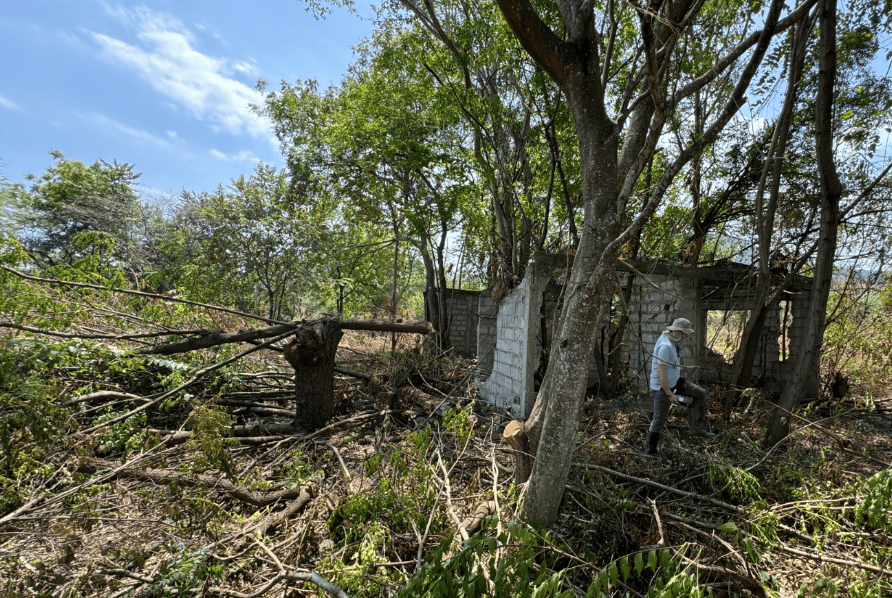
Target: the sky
pixel 164 85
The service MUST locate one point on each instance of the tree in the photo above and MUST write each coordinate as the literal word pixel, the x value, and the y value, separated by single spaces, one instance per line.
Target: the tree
pixel 71 198
pixel 572 57
pixel 517 124
pixel 385 148
pixel 831 192
pixel 251 243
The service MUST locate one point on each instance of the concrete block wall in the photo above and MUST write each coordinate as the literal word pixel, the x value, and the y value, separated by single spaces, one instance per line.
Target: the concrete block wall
pixel 767 363
pixel 463 321
pixel 509 384
pixel 799 311
pixel 656 302
pixel 487 312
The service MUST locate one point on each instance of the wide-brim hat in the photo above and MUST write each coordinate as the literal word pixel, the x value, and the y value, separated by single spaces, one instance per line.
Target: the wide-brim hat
pixel 682 325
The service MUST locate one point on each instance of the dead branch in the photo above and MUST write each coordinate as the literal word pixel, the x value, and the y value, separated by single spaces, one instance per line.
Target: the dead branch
pixel 111 337
pixel 340 460
pixel 56 498
pixel 183 386
pixel 212 339
pixel 410 326
pixel 684 493
pixel 272 521
pixel 662 541
pixel 472 524
pixel 167 476
pixel 828 559
pixel 105 394
pixel 353 374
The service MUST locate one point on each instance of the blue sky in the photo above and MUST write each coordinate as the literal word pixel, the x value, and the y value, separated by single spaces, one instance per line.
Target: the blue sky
pixel 162 84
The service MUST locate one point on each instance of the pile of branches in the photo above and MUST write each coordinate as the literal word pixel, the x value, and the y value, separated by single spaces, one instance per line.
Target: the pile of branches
pixel 134 474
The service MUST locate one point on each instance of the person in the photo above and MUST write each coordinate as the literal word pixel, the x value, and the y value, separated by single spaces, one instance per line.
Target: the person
pixel 667 384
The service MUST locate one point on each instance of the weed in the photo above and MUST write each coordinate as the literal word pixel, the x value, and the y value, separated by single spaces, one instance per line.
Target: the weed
pixel 458 420
pixel 738 484
pixel 876 510
pixel 210 425
pixel 185 571
pixel 123 437
pixel 357 574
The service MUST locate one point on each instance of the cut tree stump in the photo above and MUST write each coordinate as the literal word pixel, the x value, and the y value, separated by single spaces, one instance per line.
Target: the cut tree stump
pixel 516 436
pixel 312 355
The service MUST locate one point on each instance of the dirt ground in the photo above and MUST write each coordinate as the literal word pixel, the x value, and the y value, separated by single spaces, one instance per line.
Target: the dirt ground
pixel 165 518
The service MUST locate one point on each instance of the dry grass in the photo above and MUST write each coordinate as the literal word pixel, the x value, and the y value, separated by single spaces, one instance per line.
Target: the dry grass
pixel 124 535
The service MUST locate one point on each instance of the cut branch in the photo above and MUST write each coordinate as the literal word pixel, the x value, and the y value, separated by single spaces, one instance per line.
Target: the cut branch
pixel 166 476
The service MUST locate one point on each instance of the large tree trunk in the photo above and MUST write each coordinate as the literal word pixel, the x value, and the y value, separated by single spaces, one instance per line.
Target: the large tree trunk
pixel 573 61
pixel 312 354
pixel 563 387
pixel 808 366
pixel 767 298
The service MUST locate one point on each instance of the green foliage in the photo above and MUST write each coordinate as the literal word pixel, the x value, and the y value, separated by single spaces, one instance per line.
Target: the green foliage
pixel 604 495
pixel 32 424
pixel 827 588
pixel 70 199
pixel 210 425
pixel 738 484
pixel 297 469
pixel 186 570
pixel 458 420
pixel 793 474
pixel 124 436
pixel 515 564
pixel 356 572
pixel 858 338
pixel 660 570
pixel 876 507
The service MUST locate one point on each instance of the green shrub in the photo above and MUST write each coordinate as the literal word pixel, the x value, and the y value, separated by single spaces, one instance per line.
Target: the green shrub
pixel 210 425
pixel 737 483
pixel 876 508
pixel 512 565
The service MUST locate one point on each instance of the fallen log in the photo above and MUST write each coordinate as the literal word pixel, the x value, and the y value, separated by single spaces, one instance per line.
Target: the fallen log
pixel 166 476
pixel 473 522
pixel 410 326
pixel 220 337
pixel 273 520
pixel 212 339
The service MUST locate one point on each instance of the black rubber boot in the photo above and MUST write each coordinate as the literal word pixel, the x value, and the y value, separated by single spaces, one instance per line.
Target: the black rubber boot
pixel 695 422
pixel 650 445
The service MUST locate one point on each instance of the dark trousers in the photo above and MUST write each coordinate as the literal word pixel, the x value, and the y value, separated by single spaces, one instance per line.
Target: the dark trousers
pixel 697 408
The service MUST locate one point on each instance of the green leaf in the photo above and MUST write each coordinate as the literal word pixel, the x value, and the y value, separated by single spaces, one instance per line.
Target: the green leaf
pixel 652 560
pixel 727 528
pixel 639 563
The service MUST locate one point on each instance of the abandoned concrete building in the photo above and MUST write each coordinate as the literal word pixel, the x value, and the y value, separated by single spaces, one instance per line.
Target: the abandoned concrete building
pixel 508 338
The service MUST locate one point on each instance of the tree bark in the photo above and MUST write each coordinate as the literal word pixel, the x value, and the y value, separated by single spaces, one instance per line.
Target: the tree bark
pixel 766 298
pixel 573 62
pixel 809 362
pixel 212 339
pixel 312 354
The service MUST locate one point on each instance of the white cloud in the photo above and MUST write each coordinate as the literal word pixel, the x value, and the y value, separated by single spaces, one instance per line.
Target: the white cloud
pixel 113 127
pixel 7 104
pixel 246 68
pixel 243 156
pixel 167 60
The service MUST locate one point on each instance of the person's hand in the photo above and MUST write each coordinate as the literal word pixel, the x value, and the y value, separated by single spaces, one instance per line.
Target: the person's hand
pixel 674 399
